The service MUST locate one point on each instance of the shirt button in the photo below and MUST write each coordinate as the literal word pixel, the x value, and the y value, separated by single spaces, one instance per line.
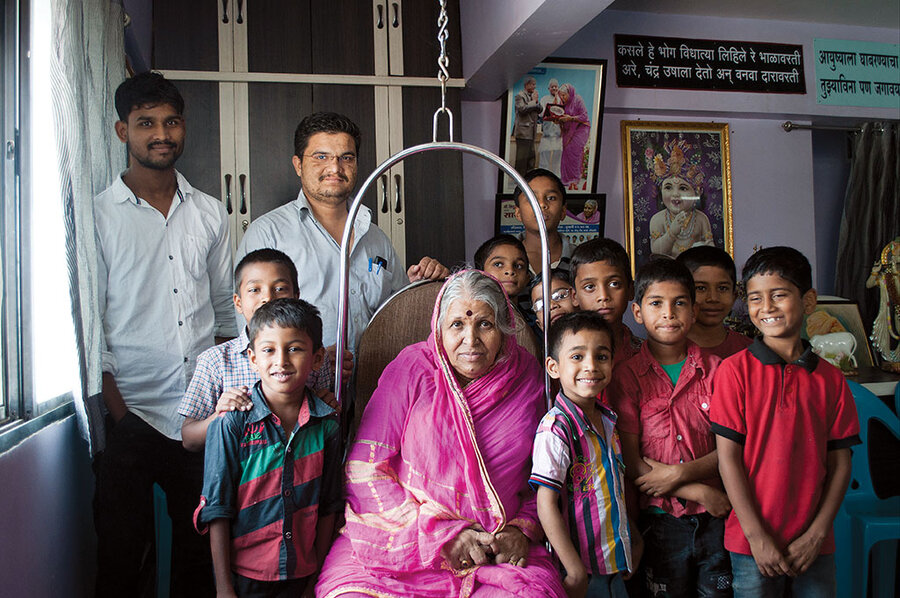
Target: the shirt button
pixel 288 535
pixel 180 323
pixel 288 450
pixel 352 291
pixel 175 291
pixel 171 257
pixel 185 359
pixel 704 405
pixel 288 492
pixel 678 437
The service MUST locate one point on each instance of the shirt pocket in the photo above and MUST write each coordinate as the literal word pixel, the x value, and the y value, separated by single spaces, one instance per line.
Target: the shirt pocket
pixel 194 251
pixel 655 417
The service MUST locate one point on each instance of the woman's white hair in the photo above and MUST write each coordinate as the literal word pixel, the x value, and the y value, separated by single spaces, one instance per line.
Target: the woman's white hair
pixel 477 286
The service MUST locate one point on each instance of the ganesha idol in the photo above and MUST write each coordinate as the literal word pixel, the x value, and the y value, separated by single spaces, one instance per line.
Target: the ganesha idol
pixel 836 348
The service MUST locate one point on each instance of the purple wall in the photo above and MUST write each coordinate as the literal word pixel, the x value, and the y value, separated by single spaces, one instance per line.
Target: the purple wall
pixel 774 182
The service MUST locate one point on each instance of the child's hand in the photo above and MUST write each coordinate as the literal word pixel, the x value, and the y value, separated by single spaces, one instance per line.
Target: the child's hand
pixel 770 559
pixel 716 502
pixel 576 584
pixel 346 363
pixel 637 551
pixel 328 397
pixel 804 550
pixel 234 399
pixel 661 480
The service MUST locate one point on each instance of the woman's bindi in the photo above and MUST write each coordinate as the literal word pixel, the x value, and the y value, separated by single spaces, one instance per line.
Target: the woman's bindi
pixel 468 312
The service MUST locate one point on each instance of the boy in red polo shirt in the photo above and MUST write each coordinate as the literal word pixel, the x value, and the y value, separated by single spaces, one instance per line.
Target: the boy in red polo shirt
pixel 662 397
pixel 784 422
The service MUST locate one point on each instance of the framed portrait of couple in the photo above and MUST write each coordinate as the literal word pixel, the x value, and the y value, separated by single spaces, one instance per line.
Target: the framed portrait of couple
pixel 677 178
pixel 551 119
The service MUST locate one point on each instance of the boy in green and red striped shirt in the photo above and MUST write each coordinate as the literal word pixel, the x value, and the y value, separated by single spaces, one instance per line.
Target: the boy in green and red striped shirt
pixel 272 479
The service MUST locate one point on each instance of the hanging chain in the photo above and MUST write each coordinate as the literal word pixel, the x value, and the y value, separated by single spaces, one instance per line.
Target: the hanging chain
pixel 443 62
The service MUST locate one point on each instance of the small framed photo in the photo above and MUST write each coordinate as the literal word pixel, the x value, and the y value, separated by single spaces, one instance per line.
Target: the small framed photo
pixel 677 179
pixel 585 217
pixel 840 315
pixel 552 118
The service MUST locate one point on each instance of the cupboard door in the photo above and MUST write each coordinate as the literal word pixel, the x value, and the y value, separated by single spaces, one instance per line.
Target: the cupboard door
pixel 420 45
pixel 201 162
pixel 275 110
pixel 186 35
pixel 433 206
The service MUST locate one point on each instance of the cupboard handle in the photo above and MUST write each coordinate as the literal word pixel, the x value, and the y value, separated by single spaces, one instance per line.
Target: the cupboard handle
pixel 224 11
pixel 396 22
pixel 240 17
pixel 397 207
pixel 380 23
pixel 228 193
pixel 243 179
pixel 384 194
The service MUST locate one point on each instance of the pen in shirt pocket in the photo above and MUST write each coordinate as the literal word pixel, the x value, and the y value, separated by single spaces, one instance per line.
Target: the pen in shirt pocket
pixel 378 261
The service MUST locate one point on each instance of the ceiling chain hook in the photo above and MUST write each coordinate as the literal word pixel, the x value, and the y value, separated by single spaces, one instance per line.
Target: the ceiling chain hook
pixel 443 74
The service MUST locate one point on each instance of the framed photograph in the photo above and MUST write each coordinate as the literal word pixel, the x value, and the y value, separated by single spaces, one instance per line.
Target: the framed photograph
pixel 677 179
pixel 840 315
pixel 552 118
pixel 585 217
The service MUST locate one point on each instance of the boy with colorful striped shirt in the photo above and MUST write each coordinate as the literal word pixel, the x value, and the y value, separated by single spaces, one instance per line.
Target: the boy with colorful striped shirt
pixel 272 479
pixel 577 456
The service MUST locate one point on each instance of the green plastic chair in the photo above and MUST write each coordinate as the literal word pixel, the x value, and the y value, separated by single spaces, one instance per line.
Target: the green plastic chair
pixel 864 519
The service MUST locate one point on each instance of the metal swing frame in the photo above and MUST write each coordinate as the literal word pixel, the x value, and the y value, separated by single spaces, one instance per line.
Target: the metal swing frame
pixel 435 145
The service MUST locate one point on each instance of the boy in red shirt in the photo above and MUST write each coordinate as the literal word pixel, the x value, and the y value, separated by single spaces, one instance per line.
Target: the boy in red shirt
pixel 662 397
pixel 715 279
pixel 785 421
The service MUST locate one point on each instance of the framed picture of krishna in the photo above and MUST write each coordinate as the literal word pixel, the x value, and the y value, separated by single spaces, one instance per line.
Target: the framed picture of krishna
pixel 677 179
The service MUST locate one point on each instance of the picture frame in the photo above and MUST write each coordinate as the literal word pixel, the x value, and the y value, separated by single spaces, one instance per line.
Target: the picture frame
pixel 572 145
pixel 575 225
pixel 840 315
pixel 663 161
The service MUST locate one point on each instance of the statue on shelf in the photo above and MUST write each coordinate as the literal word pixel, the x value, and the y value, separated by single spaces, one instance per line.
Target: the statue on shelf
pixel 886 327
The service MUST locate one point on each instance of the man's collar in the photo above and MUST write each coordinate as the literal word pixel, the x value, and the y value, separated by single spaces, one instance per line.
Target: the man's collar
pixel 766 356
pixel 123 193
pixel 363 216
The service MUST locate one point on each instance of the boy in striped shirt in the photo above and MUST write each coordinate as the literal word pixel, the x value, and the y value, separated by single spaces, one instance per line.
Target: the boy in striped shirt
pixel 272 479
pixel 577 458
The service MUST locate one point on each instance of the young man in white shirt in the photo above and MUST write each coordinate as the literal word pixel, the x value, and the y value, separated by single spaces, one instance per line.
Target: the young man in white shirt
pixel 165 295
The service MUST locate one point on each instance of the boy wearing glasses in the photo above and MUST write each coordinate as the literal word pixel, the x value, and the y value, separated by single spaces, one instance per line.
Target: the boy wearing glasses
pixel 562 297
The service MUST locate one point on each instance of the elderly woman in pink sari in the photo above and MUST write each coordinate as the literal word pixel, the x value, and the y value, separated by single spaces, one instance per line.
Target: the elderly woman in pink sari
pixel 438 503
pixel 576 128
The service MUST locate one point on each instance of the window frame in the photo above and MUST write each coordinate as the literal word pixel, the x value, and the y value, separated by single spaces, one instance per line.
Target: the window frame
pixel 24 415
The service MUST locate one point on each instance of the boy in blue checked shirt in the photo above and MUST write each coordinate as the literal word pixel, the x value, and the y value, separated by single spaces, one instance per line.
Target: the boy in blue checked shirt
pixel 223 374
pixel 577 454
pixel 272 479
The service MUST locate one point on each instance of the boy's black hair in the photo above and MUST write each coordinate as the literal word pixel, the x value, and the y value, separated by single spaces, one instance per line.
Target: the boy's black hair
pixel 145 88
pixel 786 262
pixel 574 323
pixel 663 269
pixel 539 172
pixel 266 255
pixel 287 313
pixel 555 273
pixel 484 251
pixel 602 250
pixel 706 255
pixel 323 122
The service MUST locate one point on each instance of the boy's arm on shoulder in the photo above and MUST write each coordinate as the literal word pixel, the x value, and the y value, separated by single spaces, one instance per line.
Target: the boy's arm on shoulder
pixel 770 558
pixel 220 546
pixel 804 550
pixel 555 528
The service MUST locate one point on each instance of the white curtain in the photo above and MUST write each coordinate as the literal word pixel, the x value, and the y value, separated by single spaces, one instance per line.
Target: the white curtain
pixel 87 64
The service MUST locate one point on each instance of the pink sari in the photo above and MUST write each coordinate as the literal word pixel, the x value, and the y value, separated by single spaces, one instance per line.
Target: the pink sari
pixel 431 459
pixel 575 135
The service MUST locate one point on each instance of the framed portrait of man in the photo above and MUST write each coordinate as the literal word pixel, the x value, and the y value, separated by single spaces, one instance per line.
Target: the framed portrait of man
pixel 552 118
pixel 677 179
